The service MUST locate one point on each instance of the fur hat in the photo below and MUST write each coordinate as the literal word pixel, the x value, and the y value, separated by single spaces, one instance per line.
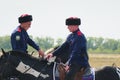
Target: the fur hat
pixel 73 21
pixel 25 18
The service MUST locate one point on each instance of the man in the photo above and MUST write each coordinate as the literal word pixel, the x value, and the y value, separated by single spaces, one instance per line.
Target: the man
pixel 76 43
pixel 20 38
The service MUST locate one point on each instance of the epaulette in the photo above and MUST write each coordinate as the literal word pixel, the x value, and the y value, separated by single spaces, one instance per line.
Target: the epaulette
pixel 19 30
pixel 79 33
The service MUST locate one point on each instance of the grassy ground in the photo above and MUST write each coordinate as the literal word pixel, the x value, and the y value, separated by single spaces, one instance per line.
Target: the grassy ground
pixel 100 60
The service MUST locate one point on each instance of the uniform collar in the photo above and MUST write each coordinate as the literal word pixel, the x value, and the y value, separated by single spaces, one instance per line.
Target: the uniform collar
pixel 76 31
pixel 21 28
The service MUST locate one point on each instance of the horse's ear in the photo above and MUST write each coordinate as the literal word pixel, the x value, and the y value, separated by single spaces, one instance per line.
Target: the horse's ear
pixel 56 47
pixel 114 65
pixel 3 51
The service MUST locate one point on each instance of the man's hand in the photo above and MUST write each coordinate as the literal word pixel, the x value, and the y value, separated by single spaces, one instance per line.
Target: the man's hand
pixel 48 56
pixel 41 53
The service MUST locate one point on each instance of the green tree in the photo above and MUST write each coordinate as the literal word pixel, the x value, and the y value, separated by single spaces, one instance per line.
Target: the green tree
pixel 59 41
pixel 45 43
pixel 5 42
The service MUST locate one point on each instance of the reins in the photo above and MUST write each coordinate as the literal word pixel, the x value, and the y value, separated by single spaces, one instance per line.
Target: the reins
pixel 51 60
pixel 21 60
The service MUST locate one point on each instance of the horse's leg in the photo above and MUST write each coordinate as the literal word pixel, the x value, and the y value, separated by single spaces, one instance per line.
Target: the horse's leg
pixel 62 75
pixel 79 74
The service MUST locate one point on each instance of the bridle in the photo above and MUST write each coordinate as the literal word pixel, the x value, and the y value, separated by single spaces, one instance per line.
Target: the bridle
pixel 30 67
pixel 8 60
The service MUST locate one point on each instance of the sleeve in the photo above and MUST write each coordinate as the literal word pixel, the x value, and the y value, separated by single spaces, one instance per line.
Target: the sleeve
pixel 32 43
pixel 63 47
pixel 59 50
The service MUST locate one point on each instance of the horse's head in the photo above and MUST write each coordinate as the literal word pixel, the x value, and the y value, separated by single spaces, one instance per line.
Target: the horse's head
pixel 16 63
pixel 7 65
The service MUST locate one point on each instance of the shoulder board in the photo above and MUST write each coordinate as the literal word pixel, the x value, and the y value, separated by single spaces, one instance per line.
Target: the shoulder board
pixel 19 30
pixel 79 33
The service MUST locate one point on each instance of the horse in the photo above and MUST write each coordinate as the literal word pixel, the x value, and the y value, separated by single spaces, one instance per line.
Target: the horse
pixel 104 73
pixel 16 65
pixel 24 66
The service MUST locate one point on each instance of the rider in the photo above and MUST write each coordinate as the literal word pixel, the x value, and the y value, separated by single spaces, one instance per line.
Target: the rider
pixel 77 44
pixel 20 37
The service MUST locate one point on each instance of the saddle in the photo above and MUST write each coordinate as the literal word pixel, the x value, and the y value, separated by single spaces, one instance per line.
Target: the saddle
pixel 83 74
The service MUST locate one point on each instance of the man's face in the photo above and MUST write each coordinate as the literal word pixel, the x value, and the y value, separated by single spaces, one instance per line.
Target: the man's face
pixel 26 25
pixel 72 28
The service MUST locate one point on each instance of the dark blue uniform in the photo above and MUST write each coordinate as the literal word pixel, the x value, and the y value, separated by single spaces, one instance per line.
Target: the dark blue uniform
pixel 20 39
pixel 76 43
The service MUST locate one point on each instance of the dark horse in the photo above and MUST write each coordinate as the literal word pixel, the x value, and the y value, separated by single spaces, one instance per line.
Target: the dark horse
pixel 26 67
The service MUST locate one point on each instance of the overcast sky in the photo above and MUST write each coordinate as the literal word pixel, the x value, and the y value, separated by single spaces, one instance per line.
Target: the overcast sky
pixel 100 18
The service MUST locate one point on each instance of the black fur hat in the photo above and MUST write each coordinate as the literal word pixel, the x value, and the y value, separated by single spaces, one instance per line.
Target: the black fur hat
pixel 25 18
pixel 73 21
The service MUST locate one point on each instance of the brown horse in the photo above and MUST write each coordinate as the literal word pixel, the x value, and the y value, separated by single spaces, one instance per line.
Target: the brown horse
pixel 105 73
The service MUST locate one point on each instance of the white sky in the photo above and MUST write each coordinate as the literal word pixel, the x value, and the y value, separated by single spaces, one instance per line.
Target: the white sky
pixel 100 18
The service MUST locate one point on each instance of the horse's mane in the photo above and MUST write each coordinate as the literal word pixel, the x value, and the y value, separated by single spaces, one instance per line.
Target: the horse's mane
pixel 21 54
pixel 51 49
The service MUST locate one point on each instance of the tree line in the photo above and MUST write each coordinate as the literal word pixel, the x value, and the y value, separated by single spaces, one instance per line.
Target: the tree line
pixel 94 44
